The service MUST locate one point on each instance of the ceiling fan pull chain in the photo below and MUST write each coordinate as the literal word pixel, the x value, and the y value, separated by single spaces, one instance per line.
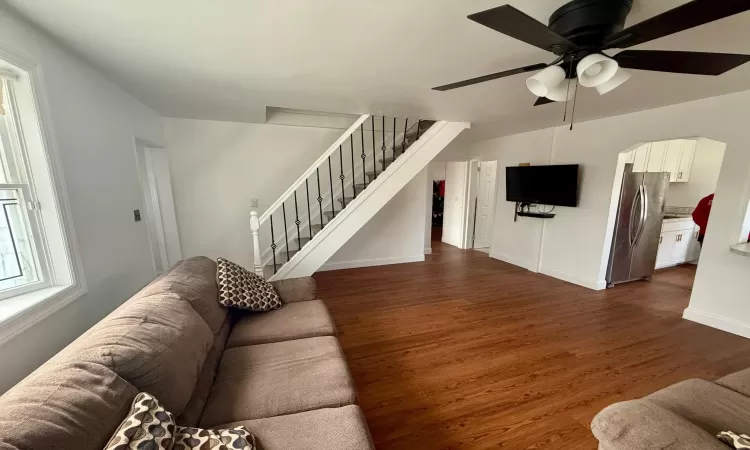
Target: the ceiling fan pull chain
pixel 573 112
pixel 567 94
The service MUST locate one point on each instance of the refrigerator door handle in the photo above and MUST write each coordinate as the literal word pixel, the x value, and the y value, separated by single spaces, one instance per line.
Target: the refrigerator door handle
pixel 644 213
pixel 631 228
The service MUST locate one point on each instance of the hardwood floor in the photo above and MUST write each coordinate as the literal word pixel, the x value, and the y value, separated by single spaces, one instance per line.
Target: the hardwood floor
pixel 467 352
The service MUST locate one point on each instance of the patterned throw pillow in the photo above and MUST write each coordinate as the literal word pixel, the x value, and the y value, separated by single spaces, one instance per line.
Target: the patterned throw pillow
pixel 240 288
pixel 147 426
pixel 734 440
pixel 188 438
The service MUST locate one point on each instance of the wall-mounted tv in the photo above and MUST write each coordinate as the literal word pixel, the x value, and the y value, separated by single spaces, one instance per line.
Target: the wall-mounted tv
pixel 543 185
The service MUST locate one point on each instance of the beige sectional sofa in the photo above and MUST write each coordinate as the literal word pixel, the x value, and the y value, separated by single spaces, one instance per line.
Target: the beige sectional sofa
pixel 281 374
pixel 685 416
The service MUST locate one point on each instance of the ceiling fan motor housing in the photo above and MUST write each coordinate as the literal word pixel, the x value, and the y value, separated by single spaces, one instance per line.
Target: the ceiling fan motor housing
pixel 587 23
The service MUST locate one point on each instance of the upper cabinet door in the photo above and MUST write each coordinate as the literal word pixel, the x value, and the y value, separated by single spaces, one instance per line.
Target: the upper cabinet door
pixel 641 158
pixel 686 160
pixel 656 156
pixel 672 159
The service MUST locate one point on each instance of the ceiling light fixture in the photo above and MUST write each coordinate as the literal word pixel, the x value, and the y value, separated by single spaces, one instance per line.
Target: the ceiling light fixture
pixel 545 81
pixel 596 69
pixel 620 77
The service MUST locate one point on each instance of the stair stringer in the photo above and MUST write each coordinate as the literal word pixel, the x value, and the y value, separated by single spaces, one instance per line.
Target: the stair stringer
pixel 364 207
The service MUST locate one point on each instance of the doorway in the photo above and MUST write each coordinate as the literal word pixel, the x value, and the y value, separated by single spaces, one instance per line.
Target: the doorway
pixel 469 204
pixel 663 243
pixel 158 211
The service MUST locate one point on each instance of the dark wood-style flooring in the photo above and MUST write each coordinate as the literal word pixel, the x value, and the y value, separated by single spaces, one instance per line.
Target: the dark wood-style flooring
pixel 467 352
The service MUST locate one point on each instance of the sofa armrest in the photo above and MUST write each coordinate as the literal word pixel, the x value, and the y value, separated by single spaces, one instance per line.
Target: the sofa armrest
pixel 642 424
pixel 296 289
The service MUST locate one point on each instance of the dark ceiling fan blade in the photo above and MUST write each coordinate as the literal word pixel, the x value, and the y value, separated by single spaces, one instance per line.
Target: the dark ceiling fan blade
pixel 543 101
pixel 493 76
pixel 514 23
pixel 689 15
pixel 696 63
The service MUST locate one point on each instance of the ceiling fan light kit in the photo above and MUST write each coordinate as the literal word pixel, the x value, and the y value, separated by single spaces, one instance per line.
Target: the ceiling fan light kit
pixel 581 30
pixel 620 77
pixel 546 80
pixel 595 70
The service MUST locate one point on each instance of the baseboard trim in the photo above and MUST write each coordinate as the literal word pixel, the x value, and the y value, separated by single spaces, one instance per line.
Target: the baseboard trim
pixel 718 322
pixel 428 250
pixel 520 262
pixel 595 285
pixel 370 262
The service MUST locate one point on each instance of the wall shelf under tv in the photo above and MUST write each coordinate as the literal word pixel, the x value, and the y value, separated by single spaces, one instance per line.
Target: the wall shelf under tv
pixel 537 215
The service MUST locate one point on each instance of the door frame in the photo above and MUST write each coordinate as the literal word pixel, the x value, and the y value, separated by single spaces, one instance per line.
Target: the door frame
pixel 474 203
pixel 165 245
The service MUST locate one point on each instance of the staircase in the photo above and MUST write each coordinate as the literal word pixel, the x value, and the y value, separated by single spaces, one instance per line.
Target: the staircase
pixel 363 169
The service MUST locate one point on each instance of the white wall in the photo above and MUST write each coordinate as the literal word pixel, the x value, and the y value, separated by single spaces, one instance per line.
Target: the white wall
pixel 218 167
pixel 395 235
pixel 518 242
pixel 436 170
pixel 455 202
pixel 703 175
pixel 573 244
pixel 94 124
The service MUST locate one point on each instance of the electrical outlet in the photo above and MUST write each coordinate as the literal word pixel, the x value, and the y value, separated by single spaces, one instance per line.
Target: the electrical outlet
pixel 137 215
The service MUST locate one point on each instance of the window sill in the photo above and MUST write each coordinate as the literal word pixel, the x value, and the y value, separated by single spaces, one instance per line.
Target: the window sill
pixel 22 311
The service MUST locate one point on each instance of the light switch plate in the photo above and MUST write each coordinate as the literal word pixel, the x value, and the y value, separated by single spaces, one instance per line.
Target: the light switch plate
pixel 137 215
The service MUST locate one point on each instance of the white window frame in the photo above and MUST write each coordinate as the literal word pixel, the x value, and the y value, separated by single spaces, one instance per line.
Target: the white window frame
pixel 58 262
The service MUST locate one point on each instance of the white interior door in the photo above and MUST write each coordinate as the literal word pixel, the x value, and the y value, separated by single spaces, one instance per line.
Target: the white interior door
pixel 456 178
pixel 485 204
pixel 158 206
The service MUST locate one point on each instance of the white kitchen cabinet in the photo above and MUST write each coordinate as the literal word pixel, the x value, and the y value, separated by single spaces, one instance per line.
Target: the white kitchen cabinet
pixel 666 245
pixel 672 158
pixel 640 160
pixel 656 154
pixel 694 250
pixel 686 160
pixel 675 157
pixel 677 243
pixel 681 246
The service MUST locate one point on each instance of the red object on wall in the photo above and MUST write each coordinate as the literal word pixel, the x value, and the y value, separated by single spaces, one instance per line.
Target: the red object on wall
pixel 441 187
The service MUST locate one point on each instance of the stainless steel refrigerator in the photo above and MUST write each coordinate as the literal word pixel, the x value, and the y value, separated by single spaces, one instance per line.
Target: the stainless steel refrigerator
pixel 638 228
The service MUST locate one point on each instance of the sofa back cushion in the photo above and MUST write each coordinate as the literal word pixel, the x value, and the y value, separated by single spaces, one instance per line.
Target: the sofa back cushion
pixel 193 279
pixel 64 405
pixel 157 343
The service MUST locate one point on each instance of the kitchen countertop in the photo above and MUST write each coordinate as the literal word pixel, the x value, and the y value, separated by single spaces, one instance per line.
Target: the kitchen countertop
pixel 678 219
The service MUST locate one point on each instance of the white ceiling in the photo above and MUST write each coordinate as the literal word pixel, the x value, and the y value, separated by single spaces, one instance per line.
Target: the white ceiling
pixel 227 59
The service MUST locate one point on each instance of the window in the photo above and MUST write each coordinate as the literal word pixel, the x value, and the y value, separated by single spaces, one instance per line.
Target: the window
pixel 39 271
pixel 22 266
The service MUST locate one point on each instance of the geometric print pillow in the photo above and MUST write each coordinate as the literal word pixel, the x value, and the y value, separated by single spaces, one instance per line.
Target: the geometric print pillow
pixel 188 438
pixel 240 288
pixel 734 440
pixel 147 426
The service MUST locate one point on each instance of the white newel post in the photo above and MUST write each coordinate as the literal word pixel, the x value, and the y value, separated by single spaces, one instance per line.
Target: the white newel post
pixel 254 227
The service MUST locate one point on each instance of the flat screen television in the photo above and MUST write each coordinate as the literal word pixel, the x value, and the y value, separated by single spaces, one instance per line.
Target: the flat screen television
pixel 543 185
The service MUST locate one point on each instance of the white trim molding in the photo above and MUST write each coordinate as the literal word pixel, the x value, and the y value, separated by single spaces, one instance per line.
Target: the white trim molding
pixel 715 321
pixel 595 285
pixel 370 262
pixel 66 267
pixel 428 250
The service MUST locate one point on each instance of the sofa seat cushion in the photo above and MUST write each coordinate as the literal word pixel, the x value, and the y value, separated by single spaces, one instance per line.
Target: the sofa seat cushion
pixel 738 382
pixel 330 428
pixel 711 407
pixel 642 424
pixel 293 321
pixel 279 378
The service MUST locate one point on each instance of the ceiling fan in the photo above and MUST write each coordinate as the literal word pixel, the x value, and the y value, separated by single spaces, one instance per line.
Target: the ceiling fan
pixel 581 30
